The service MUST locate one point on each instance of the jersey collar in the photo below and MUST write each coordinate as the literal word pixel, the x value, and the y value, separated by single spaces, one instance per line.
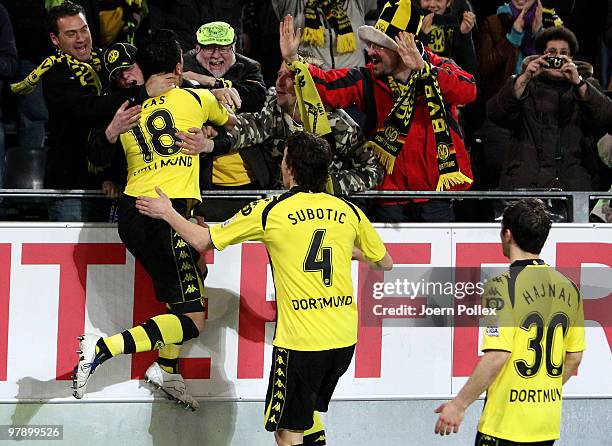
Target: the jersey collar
pixel 527 262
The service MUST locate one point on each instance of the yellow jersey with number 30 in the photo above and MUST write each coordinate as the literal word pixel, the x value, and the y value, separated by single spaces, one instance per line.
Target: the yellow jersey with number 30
pixel 152 155
pixel 539 317
pixel 310 239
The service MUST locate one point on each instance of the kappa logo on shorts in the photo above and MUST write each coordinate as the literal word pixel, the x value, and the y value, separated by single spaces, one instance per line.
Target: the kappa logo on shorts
pixel 279 380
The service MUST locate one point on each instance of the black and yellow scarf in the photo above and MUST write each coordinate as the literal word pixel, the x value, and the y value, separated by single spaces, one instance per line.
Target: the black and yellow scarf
pixel 389 139
pixel 86 72
pixel 312 111
pixel 335 15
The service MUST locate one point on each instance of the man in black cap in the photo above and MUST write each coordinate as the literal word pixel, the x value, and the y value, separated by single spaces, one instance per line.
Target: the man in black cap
pixel 120 62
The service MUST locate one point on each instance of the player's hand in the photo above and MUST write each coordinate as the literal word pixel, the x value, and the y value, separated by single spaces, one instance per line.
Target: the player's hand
pixel 125 119
pixel 409 51
pixel 228 97
pixel 427 23
pixel 468 22
pixel 194 142
pixel 111 190
pixel 210 131
pixel 451 416
pixel 159 84
pixel 289 39
pixel 158 208
pixel 202 79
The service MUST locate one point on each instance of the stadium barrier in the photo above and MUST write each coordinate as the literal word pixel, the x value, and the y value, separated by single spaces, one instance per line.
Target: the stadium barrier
pixel 60 280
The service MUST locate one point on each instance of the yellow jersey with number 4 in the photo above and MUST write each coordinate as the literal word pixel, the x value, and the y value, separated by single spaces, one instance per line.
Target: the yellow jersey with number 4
pixel 539 318
pixel 153 157
pixel 310 239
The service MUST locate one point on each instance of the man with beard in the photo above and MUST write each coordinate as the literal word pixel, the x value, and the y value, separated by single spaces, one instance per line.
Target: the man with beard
pixel 214 63
pixel 409 97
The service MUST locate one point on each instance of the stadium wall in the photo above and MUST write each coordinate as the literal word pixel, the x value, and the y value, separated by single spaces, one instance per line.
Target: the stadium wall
pixel 57 281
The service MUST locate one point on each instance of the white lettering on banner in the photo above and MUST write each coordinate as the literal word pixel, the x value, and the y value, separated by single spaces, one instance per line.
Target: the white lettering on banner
pixel 86 275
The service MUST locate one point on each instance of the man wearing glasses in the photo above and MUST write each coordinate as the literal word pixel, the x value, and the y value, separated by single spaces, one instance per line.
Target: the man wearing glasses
pixel 214 63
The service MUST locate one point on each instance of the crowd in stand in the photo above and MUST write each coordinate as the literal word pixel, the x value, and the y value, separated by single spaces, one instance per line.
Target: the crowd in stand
pixel 433 95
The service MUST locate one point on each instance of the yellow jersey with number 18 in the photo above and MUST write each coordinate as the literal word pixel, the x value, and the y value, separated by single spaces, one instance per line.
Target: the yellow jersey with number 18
pixel 152 155
pixel 310 239
pixel 539 317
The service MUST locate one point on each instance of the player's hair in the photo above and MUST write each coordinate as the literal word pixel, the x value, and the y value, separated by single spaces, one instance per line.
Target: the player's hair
pixel 529 221
pixel 309 157
pixel 556 33
pixel 159 53
pixel 66 9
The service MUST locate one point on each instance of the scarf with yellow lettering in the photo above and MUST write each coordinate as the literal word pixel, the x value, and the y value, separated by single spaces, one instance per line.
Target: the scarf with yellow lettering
pixel 389 139
pixel 312 111
pixel 86 72
pixel 335 16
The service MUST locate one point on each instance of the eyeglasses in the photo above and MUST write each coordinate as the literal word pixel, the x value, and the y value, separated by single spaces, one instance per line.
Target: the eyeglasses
pixel 210 49
pixel 555 52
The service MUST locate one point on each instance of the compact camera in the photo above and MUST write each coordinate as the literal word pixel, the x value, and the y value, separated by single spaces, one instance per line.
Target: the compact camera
pixel 555 62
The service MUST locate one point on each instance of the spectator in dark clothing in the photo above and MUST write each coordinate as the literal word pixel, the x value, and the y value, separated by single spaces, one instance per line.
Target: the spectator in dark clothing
pixel 185 16
pixel 260 28
pixel 554 116
pixel 214 63
pixel 448 35
pixel 72 92
pixel 32 40
pixel 8 67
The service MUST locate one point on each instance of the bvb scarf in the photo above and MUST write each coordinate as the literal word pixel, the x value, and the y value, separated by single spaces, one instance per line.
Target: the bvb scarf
pixel 389 140
pixel 312 111
pixel 336 17
pixel 85 72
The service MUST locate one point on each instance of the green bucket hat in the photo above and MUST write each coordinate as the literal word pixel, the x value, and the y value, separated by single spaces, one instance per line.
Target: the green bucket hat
pixel 216 33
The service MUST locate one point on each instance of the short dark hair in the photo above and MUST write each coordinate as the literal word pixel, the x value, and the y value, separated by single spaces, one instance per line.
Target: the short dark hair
pixel 309 157
pixel 66 9
pixel 556 33
pixel 529 221
pixel 159 53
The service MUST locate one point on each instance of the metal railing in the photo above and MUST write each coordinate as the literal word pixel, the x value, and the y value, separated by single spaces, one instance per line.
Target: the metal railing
pixel 578 202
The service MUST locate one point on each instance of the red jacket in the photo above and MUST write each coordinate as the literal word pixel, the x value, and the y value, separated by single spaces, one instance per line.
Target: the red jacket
pixel 416 167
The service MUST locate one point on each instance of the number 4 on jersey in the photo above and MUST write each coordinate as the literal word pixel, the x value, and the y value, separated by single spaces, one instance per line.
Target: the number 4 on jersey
pixel 319 258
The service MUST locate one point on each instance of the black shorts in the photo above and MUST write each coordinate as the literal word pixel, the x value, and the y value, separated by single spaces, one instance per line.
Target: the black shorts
pixel 170 261
pixel 300 383
pixel 487 440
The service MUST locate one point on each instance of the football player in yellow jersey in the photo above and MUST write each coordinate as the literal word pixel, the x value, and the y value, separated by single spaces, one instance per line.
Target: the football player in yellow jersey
pixel 311 238
pixel 154 155
pixel 532 345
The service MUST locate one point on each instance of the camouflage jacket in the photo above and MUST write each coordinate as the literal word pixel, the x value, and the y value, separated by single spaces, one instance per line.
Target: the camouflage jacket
pixel 354 167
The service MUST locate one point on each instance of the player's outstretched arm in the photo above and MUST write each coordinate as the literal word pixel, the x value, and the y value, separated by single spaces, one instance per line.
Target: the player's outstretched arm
pixel 570 365
pixel 485 372
pixel 385 264
pixel 161 209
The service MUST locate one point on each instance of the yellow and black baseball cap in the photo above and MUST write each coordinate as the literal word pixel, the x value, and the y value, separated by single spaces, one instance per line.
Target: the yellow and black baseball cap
pixel 216 33
pixel 117 56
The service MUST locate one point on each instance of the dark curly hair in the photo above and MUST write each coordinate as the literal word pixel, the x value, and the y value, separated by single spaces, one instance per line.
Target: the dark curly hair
pixel 529 221
pixel 308 157
pixel 66 9
pixel 556 33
